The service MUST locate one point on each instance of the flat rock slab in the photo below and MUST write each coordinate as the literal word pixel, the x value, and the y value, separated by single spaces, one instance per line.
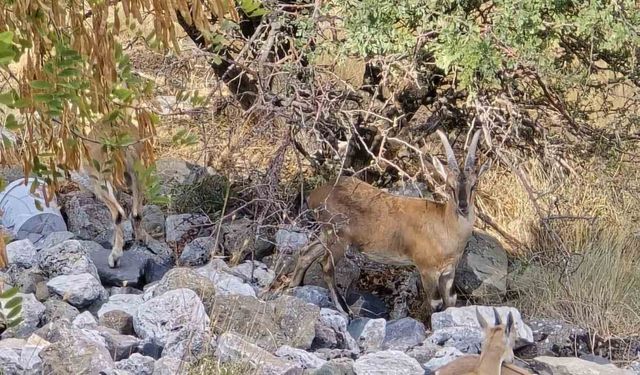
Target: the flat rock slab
pixel 574 366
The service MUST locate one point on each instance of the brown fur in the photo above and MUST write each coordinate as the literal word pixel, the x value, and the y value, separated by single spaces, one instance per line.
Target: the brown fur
pixel 393 229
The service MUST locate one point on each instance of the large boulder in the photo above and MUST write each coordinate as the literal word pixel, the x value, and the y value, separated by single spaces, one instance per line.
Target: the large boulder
pixel 67 258
pixel 56 310
pixel 316 295
pixel 197 252
pixel 368 333
pixel 162 317
pixel 183 228
pixel 117 320
pixel 224 282
pixel 387 362
pixel 255 273
pixel 240 238
pixel 332 332
pixel 574 366
pixel 403 334
pixel 136 364
pixel 482 270
pixel 79 290
pixel 235 348
pixel 183 277
pixel 120 346
pixel 129 272
pixel 301 357
pixel 76 351
pixel 153 221
pixel 22 253
pixel 459 327
pixel 128 303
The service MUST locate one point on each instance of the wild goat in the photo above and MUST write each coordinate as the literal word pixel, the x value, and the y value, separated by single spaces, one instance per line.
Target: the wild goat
pixel 393 229
pixel 497 352
pixel 96 176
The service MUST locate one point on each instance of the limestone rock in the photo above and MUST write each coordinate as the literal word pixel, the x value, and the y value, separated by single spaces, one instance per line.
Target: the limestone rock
pixel 387 362
pixel 79 290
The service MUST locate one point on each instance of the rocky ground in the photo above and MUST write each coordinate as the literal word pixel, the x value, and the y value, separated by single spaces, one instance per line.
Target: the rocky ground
pixel 160 313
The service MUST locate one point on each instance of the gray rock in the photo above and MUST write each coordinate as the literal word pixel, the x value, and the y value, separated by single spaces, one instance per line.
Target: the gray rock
pixel 224 283
pixel 169 366
pixel 10 363
pixel 28 280
pixel 197 252
pixel 119 321
pixel 331 331
pixel 403 334
pixel 22 253
pixel 137 364
pixel 120 346
pixel 32 312
pixel 30 354
pixel 367 305
pixel 574 366
pixel 338 366
pixel 442 357
pixel 387 362
pixel 183 277
pixel 153 221
pixel 316 295
pixel 54 239
pixel 130 271
pixel 183 228
pixel 80 290
pixel 123 290
pixel 128 303
pixel 454 320
pixel 465 339
pixel 163 316
pixel 368 333
pixel 482 270
pixel 189 345
pixel 240 238
pixel 87 217
pixel 302 358
pixel 76 352
pixel 173 172
pixel 346 271
pixel 160 258
pixel 255 272
pixel 85 320
pixel 556 338
pixel 233 347
pixel 67 258
pixel 283 321
pixel 425 352
pixel 56 310
pixel 291 241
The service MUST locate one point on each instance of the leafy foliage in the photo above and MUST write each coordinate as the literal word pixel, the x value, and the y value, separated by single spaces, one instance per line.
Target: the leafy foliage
pixel 10 308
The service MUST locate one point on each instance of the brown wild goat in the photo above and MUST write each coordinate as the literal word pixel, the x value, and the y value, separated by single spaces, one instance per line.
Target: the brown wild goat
pixel 393 229
pixel 497 352
pixel 95 175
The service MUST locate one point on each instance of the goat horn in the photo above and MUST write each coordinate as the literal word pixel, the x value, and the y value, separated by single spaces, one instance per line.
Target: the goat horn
pixel 451 158
pixel 498 321
pixel 471 153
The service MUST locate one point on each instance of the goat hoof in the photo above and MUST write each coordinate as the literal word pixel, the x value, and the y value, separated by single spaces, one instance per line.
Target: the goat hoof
pixel 113 263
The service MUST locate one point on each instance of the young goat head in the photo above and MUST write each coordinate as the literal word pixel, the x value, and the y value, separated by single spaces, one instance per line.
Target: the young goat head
pixel 392 229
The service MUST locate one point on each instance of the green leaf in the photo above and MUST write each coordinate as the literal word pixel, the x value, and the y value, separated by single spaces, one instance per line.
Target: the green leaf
pixel 69 72
pixel 15 312
pixel 6 37
pixel 7 55
pixel 12 123
pixel 38 205
pixel 41 85
pixel 7 98
pixel 15 301
pixel 43 98
pixel 14 323
pixel 9 293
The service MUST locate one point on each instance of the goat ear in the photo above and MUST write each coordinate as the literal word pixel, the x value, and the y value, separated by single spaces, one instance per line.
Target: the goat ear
pixel 510 323
pixel 439 167
pixel 481 319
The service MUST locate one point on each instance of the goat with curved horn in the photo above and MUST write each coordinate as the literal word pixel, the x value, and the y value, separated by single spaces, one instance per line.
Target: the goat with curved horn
pixel 393 229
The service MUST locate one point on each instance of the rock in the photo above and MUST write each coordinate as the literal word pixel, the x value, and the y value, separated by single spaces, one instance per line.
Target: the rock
pixel 87 217
pixel 331 331
pixel 120 346
pixel 30 354
pixel 465 339
pixel 283 321
pixel 183 277
pixel 595 359
pixel 197 252
pixel 482 270
pixel 183 228
pixel 137 364
pixel 153 221
pixel 425 352
pixel 255 272
pixel 368 333
pixel 233 347
pixel 346 271
pixel 403 334
pixel 152 350
pixel 172 173
pixel 85 320
pixel 160 259
pixel 75 352
pixel 367 305
pixel 28 280
pixel 338 366
pixel 224 283
pixel 574 366
pixel 291 241
pixel 130 272
pixel 300 357
pixel 10 362
pixel 163 316
pixel 22 253
pixel 556 338
pixel 168 366
pixel 240 238
pixel 67 258
pixel 79 290
pixel 119 321
pixel 316 295
pixel 56 310
pixel 189 346
pixel 442 357
pixel 387 362
pixel 128 303
pixel 32 313
pixel 54 239
pixel 123 290
pixel 456 322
